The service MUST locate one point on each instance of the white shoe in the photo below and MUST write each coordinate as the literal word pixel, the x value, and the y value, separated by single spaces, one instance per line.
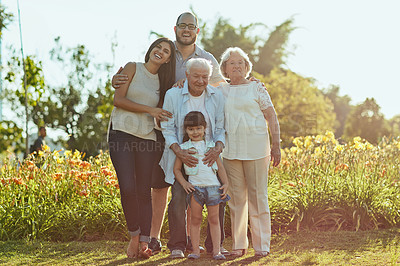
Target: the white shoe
pixel 177 254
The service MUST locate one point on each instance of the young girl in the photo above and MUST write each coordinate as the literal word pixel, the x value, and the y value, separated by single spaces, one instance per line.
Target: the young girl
pixel 203 186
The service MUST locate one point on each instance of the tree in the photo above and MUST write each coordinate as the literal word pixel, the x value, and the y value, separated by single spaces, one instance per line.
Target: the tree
pixel 225 35
pixel 80 108
pixel 366 121
pixel 265 54
pixel 14 91
pixel 301 107
pixel 274 53
pixel 11 137
pixel 5 19
pixel 394 126
pixel 341 107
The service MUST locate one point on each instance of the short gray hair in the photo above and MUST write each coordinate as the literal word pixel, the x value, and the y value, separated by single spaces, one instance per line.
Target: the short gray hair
pixel 227 54
pixel 199 62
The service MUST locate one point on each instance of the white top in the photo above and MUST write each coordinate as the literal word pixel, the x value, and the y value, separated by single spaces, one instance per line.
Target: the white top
pixel 246 128
pixel 197 103
pixel 205 176
pixel 144 89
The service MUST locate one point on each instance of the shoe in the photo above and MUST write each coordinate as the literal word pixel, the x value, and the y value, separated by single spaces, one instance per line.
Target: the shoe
pixel 238 252
pixel 189 247
pixel 177 254
pixel 202 250
pixel 193 256
pixel 155 245
pixel 224 251
pixel 219 257
pixel 261 253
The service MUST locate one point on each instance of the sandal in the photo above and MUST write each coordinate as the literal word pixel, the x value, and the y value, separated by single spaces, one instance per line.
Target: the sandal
pixel 219 256
pixel 193 256
pixel 145 253
pixel 238 252
pixel 261 253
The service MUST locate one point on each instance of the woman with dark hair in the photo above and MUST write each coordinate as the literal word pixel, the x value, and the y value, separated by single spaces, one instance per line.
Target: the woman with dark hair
pixel 132 137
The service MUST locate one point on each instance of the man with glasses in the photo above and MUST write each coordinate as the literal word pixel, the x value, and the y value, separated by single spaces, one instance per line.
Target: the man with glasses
pixel 186 32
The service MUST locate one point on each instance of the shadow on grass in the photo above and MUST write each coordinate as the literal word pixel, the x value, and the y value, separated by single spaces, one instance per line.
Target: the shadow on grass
pixel 330 241
pixel 285 248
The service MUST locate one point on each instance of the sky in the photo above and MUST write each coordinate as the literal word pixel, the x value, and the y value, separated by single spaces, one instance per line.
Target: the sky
pixel 351 44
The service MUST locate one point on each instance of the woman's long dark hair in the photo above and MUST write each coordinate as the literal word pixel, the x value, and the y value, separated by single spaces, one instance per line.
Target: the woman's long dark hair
pixel 166 73
pixel 193 119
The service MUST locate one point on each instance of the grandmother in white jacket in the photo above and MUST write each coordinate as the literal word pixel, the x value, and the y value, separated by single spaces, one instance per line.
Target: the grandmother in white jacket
pixel 248 152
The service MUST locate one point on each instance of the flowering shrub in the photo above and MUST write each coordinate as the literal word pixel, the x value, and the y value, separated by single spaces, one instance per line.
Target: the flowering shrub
pixel 320 184
pixel 55 197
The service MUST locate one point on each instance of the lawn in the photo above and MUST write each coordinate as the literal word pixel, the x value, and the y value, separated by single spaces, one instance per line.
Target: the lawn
pixel 374 247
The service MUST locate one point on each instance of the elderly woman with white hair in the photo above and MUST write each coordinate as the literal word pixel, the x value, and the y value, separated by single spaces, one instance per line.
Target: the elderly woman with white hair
pixel 248 152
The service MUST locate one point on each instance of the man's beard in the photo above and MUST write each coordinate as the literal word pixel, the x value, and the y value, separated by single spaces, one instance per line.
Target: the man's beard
pixel 178 40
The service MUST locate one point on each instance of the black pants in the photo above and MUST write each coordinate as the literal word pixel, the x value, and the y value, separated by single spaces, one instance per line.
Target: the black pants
pixel 133 160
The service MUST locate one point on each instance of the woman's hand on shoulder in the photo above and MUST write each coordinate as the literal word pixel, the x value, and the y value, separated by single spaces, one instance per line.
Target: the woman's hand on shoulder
pixel 179 83
pixel 258 82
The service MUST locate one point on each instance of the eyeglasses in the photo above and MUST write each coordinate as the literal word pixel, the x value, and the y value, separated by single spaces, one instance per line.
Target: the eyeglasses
pixel 184 25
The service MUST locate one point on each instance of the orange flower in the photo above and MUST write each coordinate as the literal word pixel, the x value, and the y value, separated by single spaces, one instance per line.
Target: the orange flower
pixel 291 184
pixel 301 184
pixel 18 181
pixel 85 164
pixel 383 173
pixel 341 166
pixel 84 193
pixel 57 176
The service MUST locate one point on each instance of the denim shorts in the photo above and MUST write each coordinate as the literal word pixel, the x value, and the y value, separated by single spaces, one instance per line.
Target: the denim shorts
pixel 209 196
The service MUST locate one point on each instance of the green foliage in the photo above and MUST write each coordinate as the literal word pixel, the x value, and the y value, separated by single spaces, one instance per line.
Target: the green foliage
pixel 225 35
pixel 265 54
pixel 35 84
pixel 5 19
pixel 394 126
pixel 302 109
pixel 319 185
pixel 274 53
pixel 341 107
pixel 326 186
pixel 14 92
pixel 11 136
pixel 78 109
pixel 66 198
pixel 366 121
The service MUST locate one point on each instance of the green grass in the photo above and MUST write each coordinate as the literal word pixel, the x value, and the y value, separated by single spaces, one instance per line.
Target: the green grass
pixel 375 247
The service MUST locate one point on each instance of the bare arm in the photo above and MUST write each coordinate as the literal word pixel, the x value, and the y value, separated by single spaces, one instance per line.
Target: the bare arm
pixel 223 177
pixel 122 102
pixel 216 84
pixel 274 129
pixel 178 175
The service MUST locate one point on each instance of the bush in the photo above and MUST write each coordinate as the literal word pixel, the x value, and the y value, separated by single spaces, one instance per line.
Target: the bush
pixel 319 185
